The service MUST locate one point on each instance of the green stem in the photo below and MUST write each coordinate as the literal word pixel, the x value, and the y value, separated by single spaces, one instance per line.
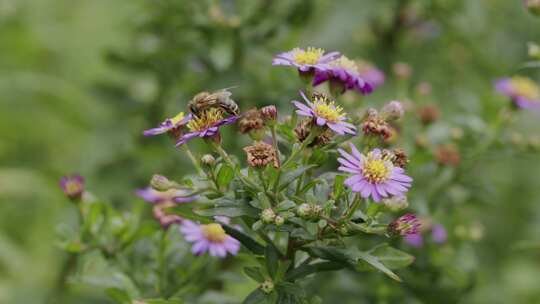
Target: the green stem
pixel 162 276
pixel 275 142
pixel 229 161
pixel 193 160
pixel 305 143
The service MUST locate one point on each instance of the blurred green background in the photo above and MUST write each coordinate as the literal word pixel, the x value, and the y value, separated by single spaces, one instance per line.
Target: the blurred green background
pixel 80 80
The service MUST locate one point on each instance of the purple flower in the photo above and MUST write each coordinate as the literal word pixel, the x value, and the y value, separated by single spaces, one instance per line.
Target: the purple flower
pixel 325 113
pixel 206 125
pixel 344 72
pixel 209 238
pixel 170 124
pixel 172 195
pixel 405 225
pixel 414 240
pixel 521 90
pixel 305 60
pixel 370 73
pixel 439 234
pixel 73 186
pixel 373 174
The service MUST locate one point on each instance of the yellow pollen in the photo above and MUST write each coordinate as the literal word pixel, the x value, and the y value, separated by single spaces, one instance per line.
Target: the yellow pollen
pixel 346 63
pixel 214 233
pixel 177 118
pixel 327 109
pixel 309 56
pixel 525 87
pixel 205 120
pixel 375 170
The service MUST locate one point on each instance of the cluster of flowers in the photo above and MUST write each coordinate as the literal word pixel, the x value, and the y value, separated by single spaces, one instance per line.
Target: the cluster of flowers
pixel 278 189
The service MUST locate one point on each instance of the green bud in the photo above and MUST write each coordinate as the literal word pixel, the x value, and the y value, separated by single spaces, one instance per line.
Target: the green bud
pixel 208 160
pixel 304 210
pixel 396 203
pixel 268 216
pixel 161 183
pixel 267 286
pixel 279 220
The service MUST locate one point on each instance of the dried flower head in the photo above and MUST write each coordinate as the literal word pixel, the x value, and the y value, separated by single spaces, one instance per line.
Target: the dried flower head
pixel 73 186
pixel 261 154
pixel 303 129
pixel 448 155
pixel 398 157
pixel 428 114
pixel 405 225
pixel 374 124
pixel 252 120
pixel 402 70
pixel 392 110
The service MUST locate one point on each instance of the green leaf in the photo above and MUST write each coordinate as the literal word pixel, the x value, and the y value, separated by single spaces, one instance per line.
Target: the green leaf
pixel 293 175
pixel 272 257
pixel 163 301
pixel 257 296
pixel 224 176
pixel 254 273
pixel 375 262
pixel 257 225
pixel 286 205
pixel 308 269
pixel 118 295
pixel 291 288
pixel 264 202
pixel 391 257
pixel 245 240
pixel 329 253
pixel 229 211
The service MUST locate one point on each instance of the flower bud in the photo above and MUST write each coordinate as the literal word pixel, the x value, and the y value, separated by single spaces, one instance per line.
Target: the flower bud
pixel 252 123
pixel 402 70
pixel 267 286
pixel 533 50
pixel 428 114
pixel 396 203
pixel 448 155
pixel 392 110
pixel 268 216
pixel 304 210
pixel 533 6
pixel 73 186
pixel 208 160
pixel 161 183
pixel 269 113
pixel 404 225
pixel 279 220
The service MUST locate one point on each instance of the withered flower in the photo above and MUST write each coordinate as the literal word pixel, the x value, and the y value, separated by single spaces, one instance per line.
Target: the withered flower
pixel 428 114
pixel 448 155
pixel 269 113
pixel 376 125
pixel 250 121
pixel 261 154
pixel 303 130
pixel 398 157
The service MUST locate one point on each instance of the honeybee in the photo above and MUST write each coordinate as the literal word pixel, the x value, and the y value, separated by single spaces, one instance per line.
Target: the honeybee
pixel 219 99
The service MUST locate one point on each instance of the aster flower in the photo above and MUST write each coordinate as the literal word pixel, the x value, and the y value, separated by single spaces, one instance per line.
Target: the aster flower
pixel 439 234
pixel 345 72
pixel 373 175
pixel 206 125
pixel 305 60
pixel 370 73
pixel 405 225
pixel 523 91
pixel 153 196
pixel 73 186
pixel 209 238
pixel 169 125
pixel 325 113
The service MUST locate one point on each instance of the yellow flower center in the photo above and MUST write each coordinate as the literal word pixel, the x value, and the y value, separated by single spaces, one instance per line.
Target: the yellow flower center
pixel 73 187
pixel 345 63
pixel 214 233
pixel 205 120
pixel 327 109
pixel 178 118
pixel 309 56
pixel 376 170
pixel 525 87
